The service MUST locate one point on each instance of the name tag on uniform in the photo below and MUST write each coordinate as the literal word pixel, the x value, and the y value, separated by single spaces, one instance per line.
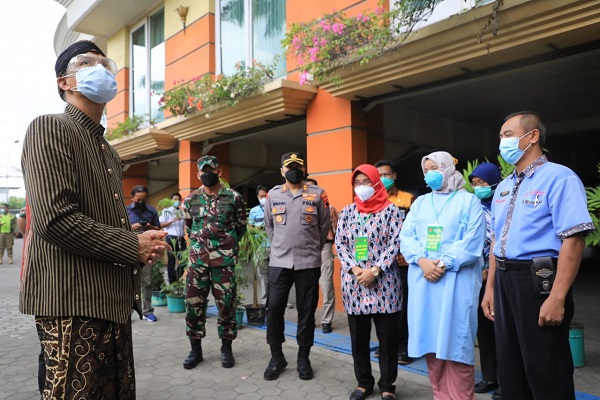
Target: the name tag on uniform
pixel 434 238
pixel 361 248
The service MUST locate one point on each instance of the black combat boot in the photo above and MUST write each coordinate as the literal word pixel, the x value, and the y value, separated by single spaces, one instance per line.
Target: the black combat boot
pixel 305 370
pixel 195 355
pixel 227 360
pixel 276 365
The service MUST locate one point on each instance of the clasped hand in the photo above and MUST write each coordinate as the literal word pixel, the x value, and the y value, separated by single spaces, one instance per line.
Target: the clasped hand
pixel 151 246
pixel 364 277
pixel 431 272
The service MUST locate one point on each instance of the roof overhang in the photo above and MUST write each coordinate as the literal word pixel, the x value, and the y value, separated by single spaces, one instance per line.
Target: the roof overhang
pixel 280 100
pixel 97 19
pixel 145 142
pixel 450 49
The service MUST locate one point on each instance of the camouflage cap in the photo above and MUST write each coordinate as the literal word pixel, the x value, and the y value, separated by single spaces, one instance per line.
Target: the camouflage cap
pixel 292 157
pixel 208 160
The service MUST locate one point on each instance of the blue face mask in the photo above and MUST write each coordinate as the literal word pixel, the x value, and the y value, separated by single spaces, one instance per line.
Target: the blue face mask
pixel 387 182
pixel 483 192
pixel 434 179
pixel 176 204
pixel 2 211
pixel 96 83
pixel 509 149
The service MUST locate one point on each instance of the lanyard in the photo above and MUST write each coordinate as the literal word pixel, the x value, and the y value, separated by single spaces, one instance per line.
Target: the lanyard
pixel 362 221
pixel 433 205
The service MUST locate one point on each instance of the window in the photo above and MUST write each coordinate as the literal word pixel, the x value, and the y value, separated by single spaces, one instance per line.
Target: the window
pixel 148 65
pixel 250 30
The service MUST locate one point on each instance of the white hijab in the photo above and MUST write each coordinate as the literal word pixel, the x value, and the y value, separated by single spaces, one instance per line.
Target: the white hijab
pixel 453 180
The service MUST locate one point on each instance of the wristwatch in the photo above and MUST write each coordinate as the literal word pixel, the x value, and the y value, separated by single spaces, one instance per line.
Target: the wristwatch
pixel 441 265
pixel 375 272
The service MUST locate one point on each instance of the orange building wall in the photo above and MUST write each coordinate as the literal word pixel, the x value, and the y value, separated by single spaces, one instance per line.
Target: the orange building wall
pixel 189 152
pixel 117 110
pixel 137 174
pixel 334 123
pixel 190 54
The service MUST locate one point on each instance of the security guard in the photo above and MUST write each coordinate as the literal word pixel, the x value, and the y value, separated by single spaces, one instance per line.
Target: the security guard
pixel 297 221
pixel 540 219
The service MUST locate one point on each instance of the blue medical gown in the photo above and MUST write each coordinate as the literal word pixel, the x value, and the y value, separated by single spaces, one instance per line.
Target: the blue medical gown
pixel 442 316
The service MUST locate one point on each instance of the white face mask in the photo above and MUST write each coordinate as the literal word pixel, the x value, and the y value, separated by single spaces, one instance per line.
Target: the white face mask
pixel 262 201
pixel 364 193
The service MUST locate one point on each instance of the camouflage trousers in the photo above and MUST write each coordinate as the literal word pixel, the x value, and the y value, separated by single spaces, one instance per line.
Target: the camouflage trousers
pixel 200 280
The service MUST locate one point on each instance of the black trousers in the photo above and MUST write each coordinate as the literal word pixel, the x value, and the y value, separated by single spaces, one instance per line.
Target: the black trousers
pixel 487 343
pixel 307 297
pixel 533 362
pixel 386 328
pixel 403 318
pixel 178 244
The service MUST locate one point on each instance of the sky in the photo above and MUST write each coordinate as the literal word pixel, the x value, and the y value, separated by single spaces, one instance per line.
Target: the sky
pixel 27 79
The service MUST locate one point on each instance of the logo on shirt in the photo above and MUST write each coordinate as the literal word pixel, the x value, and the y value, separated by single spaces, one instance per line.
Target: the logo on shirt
pixel 533 198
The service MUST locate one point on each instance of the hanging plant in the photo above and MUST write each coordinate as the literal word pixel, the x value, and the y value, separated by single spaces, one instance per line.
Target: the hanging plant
pixel 209 90
pixel 335 39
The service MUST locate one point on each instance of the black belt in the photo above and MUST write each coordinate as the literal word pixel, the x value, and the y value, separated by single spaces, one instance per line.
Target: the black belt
pixel 506 264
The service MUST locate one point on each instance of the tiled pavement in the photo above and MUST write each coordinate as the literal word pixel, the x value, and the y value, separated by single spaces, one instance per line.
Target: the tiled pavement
pixel 160 348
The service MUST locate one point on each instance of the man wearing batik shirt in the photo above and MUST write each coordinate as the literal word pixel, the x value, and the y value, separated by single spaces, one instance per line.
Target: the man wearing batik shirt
pixel 216 220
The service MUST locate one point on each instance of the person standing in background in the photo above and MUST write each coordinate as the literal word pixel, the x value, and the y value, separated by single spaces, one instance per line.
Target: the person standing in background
pixel 484 180
pixel 143 217
pixel 172 221
pixel 7 233
pixel 403 201
pixel 256 217
pixel 326 279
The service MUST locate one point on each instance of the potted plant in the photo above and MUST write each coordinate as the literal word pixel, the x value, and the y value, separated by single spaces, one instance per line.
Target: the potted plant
pixel 159 298
pixel 175 291
pixel 251 252
pixel 241 283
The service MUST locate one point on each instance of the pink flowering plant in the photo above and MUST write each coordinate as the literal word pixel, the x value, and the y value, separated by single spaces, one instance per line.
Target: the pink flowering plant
pixel 209 90
pixel 337 39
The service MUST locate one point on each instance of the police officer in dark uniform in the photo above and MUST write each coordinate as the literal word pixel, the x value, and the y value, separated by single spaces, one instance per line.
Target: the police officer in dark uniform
pixel 297 220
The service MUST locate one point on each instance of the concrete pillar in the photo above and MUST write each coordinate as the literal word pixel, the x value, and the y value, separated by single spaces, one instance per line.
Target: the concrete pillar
pixel 336 144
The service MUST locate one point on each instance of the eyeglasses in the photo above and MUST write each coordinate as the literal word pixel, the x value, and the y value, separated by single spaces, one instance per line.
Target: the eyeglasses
pixel 91 60
pixel 365 182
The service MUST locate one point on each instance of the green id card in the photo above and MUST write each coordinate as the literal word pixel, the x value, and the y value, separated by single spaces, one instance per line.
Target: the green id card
pixel 434 237
pixel 361 248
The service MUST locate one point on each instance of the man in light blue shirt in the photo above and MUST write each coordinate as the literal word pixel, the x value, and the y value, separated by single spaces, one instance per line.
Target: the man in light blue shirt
pixel 256 217
pixel 540 219
pixel 172 221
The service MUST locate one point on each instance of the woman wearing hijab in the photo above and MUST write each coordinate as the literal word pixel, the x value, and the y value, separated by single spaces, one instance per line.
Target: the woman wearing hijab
pixel 484 179
pixel 442 240
pixel 367 245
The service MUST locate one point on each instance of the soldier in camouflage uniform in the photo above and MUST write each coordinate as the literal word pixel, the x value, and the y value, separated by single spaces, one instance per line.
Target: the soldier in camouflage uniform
pixel 216 220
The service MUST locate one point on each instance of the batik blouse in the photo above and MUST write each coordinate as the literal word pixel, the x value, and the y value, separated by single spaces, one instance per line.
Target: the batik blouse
pixel 382 230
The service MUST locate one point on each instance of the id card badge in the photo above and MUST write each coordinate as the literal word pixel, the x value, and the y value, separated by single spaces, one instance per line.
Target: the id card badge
pixel 434 238
pixel 361 248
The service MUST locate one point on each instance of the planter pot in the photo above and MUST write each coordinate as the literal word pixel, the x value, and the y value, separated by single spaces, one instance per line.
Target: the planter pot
pixel 256 315
pixel 159 299
pixel 239 318
pixel 577 345
pixel 175 304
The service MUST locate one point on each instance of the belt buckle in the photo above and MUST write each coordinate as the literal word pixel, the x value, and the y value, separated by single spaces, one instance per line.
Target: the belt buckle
pixel 500 263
